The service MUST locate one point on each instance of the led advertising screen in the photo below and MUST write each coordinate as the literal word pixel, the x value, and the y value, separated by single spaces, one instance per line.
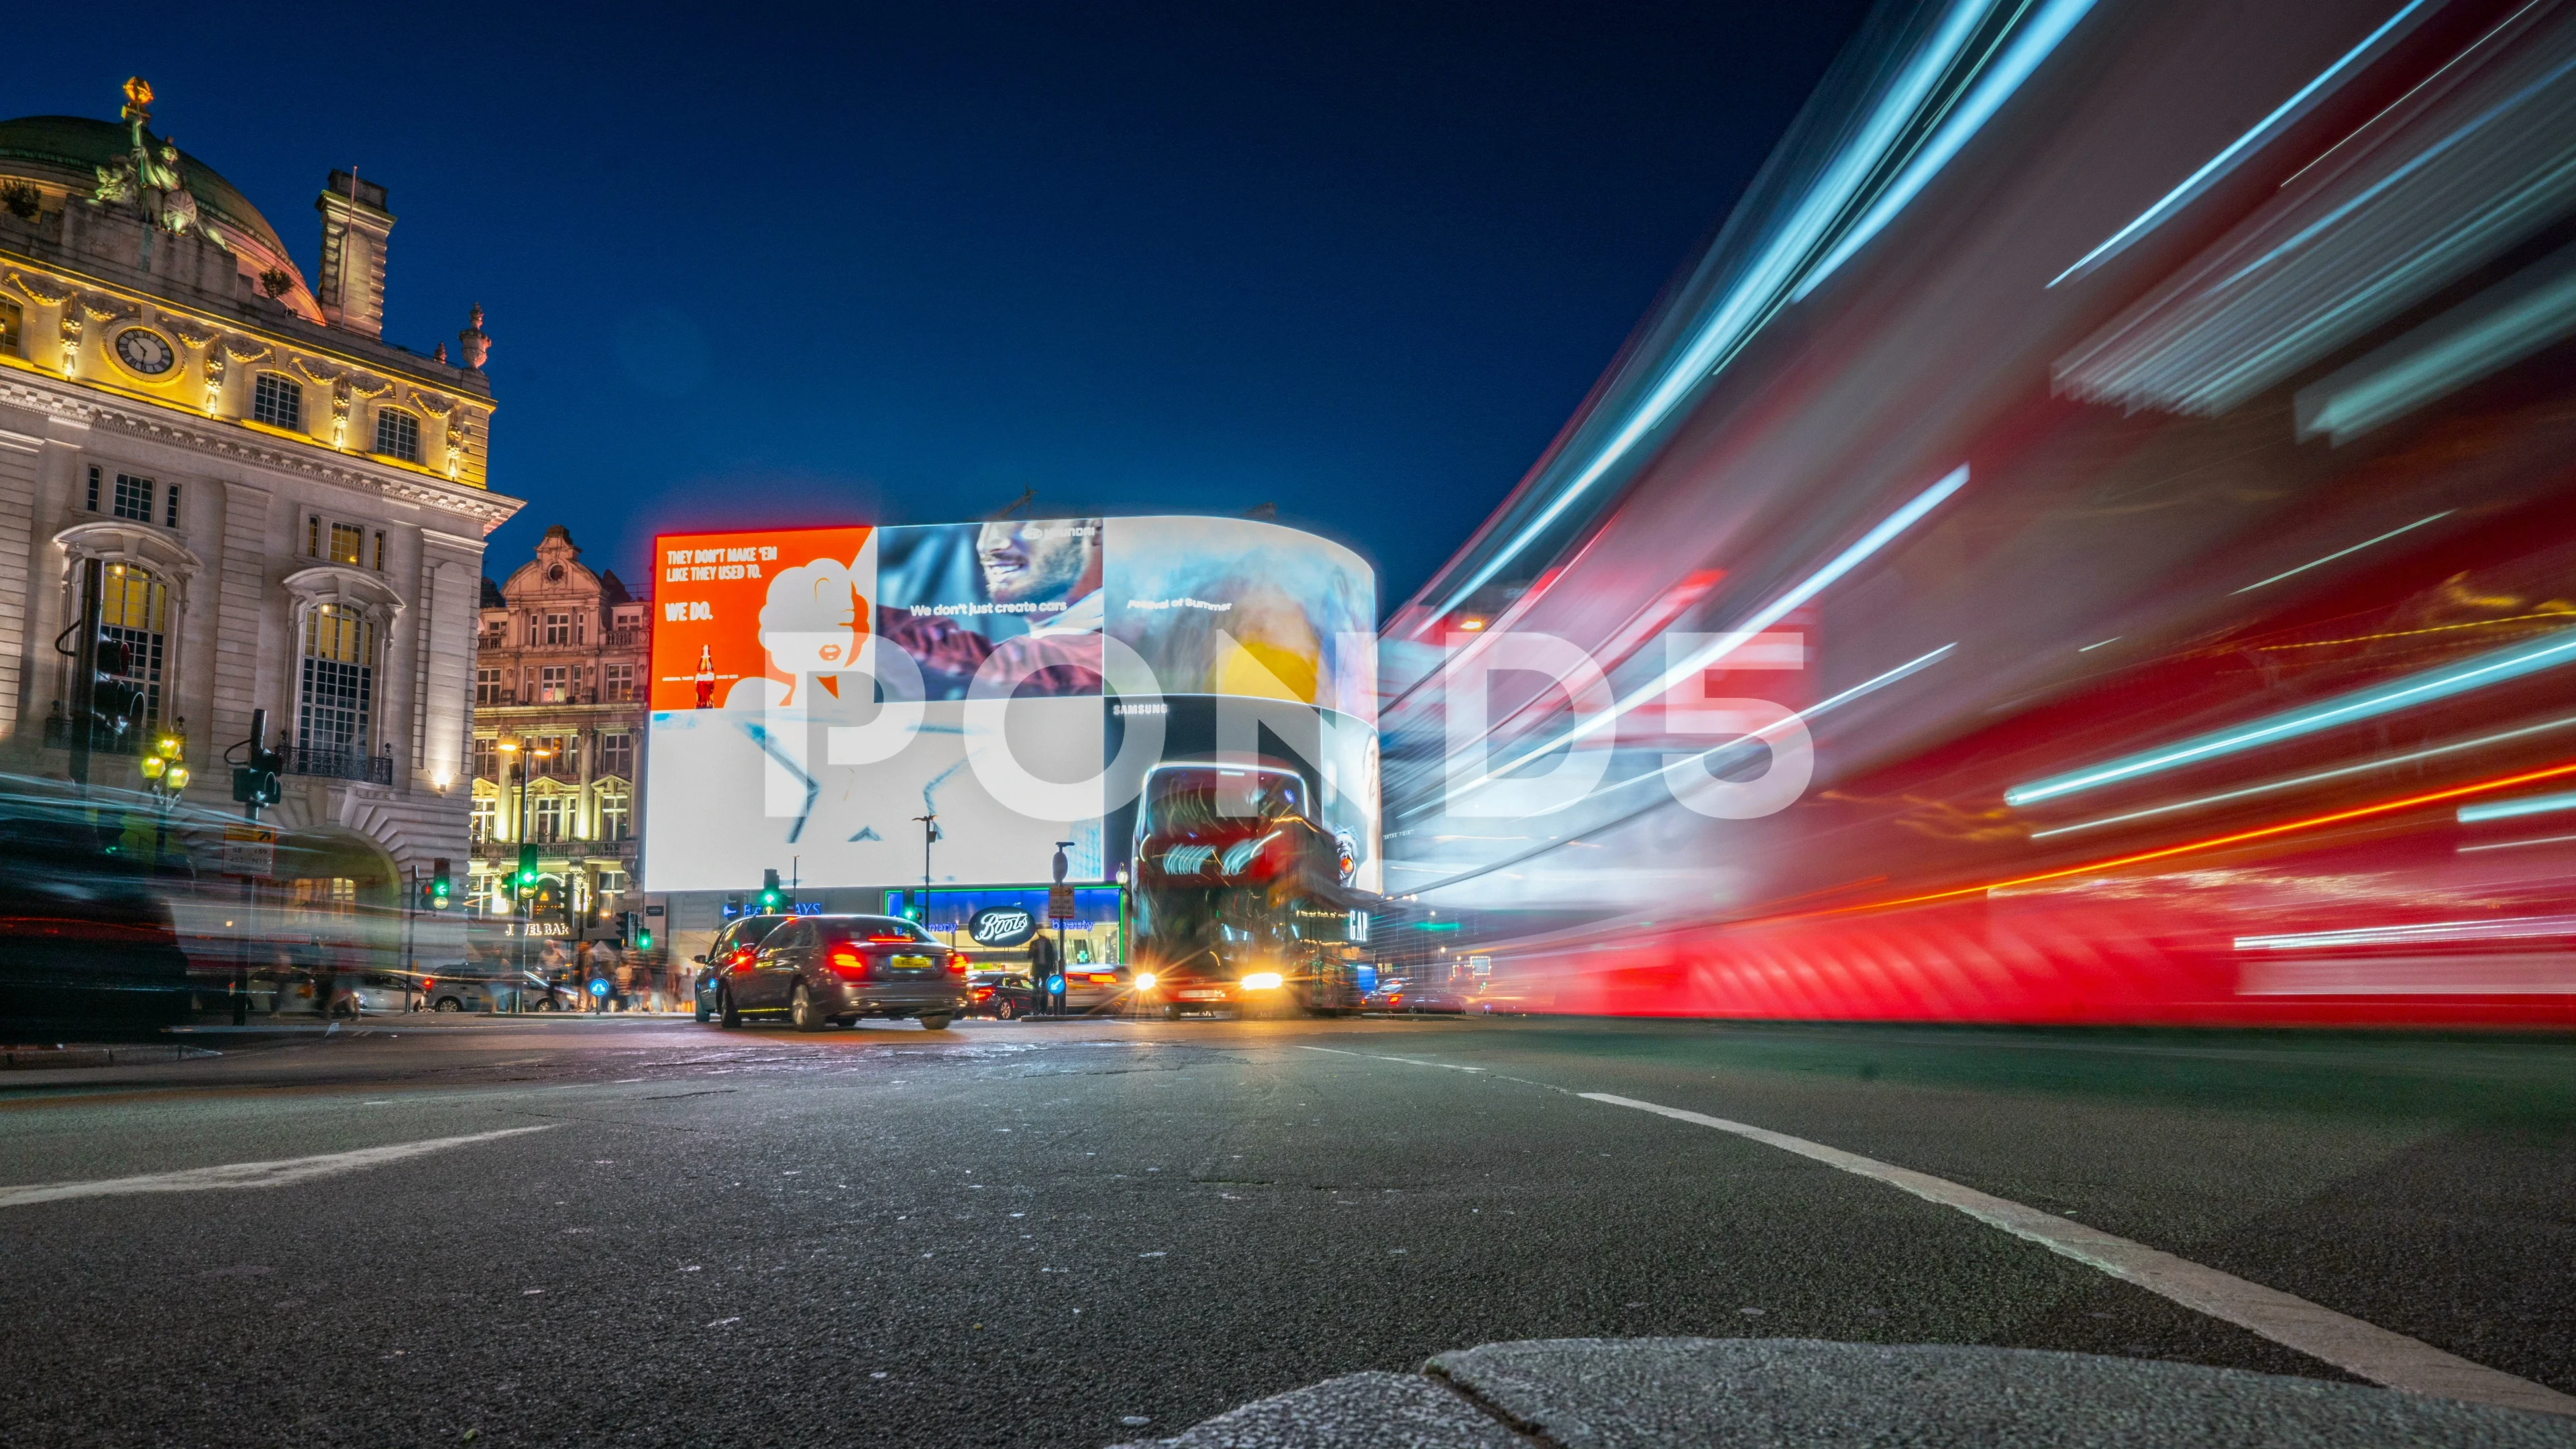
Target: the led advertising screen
pixel 867 706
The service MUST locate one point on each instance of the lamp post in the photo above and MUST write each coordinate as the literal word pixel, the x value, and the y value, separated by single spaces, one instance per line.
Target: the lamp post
pixel 165 774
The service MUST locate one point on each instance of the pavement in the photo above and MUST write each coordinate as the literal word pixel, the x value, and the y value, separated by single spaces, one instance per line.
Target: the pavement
pixel 644 1231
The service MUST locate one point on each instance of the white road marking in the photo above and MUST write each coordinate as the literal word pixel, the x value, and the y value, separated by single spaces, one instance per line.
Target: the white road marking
pixel 250 1174
pixel 2373 1353
pixel 1375 1057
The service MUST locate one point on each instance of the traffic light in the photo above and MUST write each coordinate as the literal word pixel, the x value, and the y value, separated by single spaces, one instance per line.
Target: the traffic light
pixel 441 884
pixel 524 879
pixel 114 704
pixel 772 899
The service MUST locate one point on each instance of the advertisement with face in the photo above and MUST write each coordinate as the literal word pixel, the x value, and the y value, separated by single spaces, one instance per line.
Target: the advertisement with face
pixel 1237 606
pixel 1024 595
pixel 817 692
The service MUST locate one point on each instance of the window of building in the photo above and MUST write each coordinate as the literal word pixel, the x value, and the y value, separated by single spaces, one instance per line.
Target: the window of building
pixel 618 685
pixel 488 688
pixel 134 498
pixel 333 895
pixel 348 544
pixel 312 534
pixel 558 629
pixel 93 488
pixel 612 882
pixel 337 695
pixel 487 818
pixel 617 756
pixel 380 550
pixel 12 318
pixel 487 757
pixel 398 435
pixel 581 628
pixel 134 610
pixel 170 507
pixel 616 812
pixel 551 688
pixel 278 402
pixel 557 751
pixel 546 818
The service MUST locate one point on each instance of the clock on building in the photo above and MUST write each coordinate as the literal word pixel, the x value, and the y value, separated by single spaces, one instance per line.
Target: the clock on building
pixel 146 351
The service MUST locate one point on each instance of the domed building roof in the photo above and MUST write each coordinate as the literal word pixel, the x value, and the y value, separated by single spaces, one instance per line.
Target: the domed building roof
pixel 71 148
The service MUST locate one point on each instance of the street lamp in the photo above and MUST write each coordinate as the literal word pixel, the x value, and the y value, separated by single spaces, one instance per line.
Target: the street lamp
pixel 165 774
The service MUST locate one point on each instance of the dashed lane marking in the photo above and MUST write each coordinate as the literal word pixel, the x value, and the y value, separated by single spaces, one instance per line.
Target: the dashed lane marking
pixel 251 1174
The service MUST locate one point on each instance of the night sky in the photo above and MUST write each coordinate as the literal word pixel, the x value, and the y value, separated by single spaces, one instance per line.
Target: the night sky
pixel 746 267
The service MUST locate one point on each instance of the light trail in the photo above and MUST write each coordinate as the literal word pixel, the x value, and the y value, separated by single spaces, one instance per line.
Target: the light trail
pixel 2484 670
pixel 2269 787
pixel 2511 928
pixel 2287 827
pixel 1727 643
pixel 2517 844
pixel 2215 169
pixel 2342 553
pixel 2515 809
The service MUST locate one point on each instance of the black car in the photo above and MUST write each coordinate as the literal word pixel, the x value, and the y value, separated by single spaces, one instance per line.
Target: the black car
pixel 1004 994
pixel 731 950
pixel 820 971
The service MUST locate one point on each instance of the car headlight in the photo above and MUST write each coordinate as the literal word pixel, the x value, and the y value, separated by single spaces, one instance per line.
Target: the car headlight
pixel 1262 981
pixel 1145 980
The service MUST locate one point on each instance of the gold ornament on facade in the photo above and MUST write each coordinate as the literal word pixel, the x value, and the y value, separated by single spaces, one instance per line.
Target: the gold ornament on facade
pixel 243 349
pixel 41 289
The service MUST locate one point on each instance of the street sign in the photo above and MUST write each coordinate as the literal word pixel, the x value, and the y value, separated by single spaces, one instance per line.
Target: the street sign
pixel 1060 903
pixel 1480 965
pixel 250 849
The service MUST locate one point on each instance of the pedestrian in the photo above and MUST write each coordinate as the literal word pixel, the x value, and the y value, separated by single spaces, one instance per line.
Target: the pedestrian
pixel 622 973
pixel 1042 965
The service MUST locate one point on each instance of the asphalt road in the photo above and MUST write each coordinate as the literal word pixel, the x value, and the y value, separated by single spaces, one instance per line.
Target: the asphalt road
pixel 1042 1233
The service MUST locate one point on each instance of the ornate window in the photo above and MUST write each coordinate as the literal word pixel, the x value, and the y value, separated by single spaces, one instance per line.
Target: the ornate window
pixel 398 435
pixel 487 818
pixel 616 812
pixel 617 756
pixel 170 508
pixel 134 609
pixel 546 818
pixel 337 697
pixel 618 686
pixel 487 757
pixel 558 629
pixel 348 544
pixel 551 688
pixel 488 689
pixel 278 401
pixel 134 498
pixel 93 487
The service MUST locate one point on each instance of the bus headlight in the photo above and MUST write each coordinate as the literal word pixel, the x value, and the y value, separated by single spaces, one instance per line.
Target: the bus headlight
pixel 1262 981
pixel 1145 980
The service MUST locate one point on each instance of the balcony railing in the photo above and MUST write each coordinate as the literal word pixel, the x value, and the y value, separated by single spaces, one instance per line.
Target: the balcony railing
pixel 337 763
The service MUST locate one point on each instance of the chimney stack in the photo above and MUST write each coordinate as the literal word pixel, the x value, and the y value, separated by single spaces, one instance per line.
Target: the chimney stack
pixel 355 228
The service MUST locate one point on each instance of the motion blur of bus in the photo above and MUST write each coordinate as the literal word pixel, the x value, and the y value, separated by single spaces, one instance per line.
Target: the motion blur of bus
pixel 2092 540
pixel 1238 901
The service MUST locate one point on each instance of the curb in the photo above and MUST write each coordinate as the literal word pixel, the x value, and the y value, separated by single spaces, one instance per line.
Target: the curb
pixel 1595 1393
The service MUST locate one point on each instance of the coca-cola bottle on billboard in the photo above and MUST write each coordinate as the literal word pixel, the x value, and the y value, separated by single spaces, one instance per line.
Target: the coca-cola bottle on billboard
pixel 706 676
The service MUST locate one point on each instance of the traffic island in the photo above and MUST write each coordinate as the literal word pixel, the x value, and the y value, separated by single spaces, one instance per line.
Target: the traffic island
pixel 1595 1393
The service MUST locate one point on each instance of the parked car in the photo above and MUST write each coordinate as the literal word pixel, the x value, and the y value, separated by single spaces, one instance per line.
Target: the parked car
pixel 512 991
pixel 819 971
pixel 1005 995
pixel 731 950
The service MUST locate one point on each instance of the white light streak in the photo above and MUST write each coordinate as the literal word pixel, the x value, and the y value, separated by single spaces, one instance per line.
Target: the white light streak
pixel 1743 633
pixel 2518 844
pixel 2364 768
pixel 2216 167
pixel 2356 548
pixel 2089 648
pixel 2511 928
pixel 2478 673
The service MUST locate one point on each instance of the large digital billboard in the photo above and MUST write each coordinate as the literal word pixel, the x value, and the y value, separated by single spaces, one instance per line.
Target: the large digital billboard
pixel 818 692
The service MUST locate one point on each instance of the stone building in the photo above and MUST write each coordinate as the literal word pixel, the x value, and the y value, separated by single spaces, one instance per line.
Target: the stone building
pixel 560 687
pixel 279 508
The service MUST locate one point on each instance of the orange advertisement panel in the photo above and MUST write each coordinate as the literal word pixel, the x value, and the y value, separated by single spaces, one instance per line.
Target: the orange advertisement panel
pixel 712 590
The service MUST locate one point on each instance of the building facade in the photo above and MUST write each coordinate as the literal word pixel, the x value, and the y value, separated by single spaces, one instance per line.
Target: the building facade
pixel 560 693
pixel 272 505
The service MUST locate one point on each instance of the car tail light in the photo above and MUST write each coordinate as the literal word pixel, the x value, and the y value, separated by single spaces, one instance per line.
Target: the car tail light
pixel 1101 978
pixel 897 940
pixel 742 959
pixel 850 963
pixel 956 965
pixel 983 993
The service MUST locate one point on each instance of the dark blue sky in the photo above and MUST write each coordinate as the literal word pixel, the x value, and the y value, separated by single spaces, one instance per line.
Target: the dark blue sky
pixel 896 263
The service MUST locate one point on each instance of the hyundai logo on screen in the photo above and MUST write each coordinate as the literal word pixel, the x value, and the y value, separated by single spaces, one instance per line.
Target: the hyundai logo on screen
pixel 1002 926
